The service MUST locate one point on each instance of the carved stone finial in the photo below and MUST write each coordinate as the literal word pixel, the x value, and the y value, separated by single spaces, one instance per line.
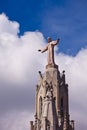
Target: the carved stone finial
pixel 63 71
pixel 40 74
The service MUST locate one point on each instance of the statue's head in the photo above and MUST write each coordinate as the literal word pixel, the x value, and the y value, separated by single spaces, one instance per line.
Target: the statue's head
pixel 49 39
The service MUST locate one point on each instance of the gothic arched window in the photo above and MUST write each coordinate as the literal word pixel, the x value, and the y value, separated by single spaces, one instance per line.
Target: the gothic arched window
pixel 62 105
pixel 61 102
pixel 40 106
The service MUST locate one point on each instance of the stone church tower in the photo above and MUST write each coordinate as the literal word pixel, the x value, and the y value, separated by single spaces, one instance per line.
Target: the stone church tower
pixel 52 106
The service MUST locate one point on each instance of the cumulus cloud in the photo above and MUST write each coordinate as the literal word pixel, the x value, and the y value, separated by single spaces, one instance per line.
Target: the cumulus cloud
pixel 19 66
pixel 76 73
pixel 15 120
pixel 17 53
pixel 7 26
pixel 19 62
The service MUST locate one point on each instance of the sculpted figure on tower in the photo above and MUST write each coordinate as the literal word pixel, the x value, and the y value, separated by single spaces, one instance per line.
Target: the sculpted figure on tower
pixel 50 48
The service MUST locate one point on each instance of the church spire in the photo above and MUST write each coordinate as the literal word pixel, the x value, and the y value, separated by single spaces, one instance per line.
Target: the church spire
pixel 52 106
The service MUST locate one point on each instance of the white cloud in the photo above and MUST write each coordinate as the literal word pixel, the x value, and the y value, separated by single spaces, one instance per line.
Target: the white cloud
pixel 7 26
pixel 16 120
pixel 76 77
pixel 19 64
pixel 17 54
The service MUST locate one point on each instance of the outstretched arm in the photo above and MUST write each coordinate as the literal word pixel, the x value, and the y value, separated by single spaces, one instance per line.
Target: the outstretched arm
pixel 44 49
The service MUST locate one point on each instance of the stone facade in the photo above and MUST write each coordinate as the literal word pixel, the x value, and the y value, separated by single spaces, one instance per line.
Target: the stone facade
pixel 52 106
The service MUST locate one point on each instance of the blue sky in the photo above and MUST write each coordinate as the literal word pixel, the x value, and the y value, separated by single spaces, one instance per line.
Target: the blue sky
pixel 54 18
pixel 20 60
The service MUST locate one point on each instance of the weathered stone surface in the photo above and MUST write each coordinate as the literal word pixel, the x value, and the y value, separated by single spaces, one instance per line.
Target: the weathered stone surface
pixel 50 48
pixel 52 106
